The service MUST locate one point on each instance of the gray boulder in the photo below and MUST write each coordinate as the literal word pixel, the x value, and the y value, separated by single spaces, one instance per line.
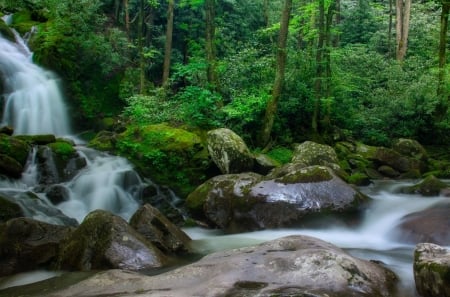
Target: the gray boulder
pixel 290 266
pixel 105 241
pixel 432 270
pixel 157 229
pixel 310 153
pixel 229 152
pixel 26 244
pixel 243 202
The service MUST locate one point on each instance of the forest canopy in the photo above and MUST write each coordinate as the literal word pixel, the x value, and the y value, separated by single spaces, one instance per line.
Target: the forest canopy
pixel 372 70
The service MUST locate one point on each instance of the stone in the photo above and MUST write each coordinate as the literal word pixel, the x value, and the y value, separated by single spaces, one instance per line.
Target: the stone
pixel 248 201
pixel 310 153
pixel 432 270
pixel 430 186
pixel 229 152
pixel 157 229
pixel 289 266
pixel 105 241
pixel 26 244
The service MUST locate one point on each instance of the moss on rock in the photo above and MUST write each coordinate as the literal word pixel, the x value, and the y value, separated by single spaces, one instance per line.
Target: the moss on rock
pixel 14 148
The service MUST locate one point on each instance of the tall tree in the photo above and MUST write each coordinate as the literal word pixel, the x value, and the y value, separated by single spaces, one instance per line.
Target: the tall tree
pixel 168 44
pixel 210 42
pixel 271 107
pixel 442 58
pixel 403 12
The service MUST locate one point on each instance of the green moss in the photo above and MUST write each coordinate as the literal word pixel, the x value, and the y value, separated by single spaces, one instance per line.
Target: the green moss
pixel 281 154
pixel 14 148
pixel 23 22
pixel 311 174
pixel 63 149
pixel 359 179
pixel 196 199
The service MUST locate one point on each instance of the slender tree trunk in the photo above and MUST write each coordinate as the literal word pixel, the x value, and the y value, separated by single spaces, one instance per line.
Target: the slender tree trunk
pixel 141 47
pixel 210 40
pixel 403 11
pixel 116 10
pixel 127 17
pixel 168 45
pixel 337 11
pixel 266 13
pixel 319 69
pixel 271 108
pixel 391 22
pixel 441 92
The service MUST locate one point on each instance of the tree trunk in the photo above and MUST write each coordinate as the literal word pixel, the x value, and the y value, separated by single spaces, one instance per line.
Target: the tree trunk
pixel 168 45
pixel 210 40
pixel 402 27
pixel 389 40
pixel 141 47
pixel 266 13
pixel 127 17
pixel 319 69
pixel 441 92
pixel 271 108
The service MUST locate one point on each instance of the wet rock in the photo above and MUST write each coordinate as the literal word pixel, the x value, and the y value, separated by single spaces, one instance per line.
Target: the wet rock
pixel 430 186
pixel 410 148
pixel 432 270
pixel 263 164
pixel 290 266
pixel 27 244
pixel 310 153
pixel 229 152
pixel 105 241
pixel 9 209
pixel 243 202
pixel 158 230
pixel 41 139
pixel 10 167
pixel 14 148
pixel 7 130
pixel 431 225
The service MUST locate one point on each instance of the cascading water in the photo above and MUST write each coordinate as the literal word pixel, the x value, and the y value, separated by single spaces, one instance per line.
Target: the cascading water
pixel 33 102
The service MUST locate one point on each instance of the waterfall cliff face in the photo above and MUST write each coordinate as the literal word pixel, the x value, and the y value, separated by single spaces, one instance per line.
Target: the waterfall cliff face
pixel 32 98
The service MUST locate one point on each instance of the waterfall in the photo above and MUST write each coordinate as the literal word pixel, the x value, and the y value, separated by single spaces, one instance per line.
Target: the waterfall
pixel 32 98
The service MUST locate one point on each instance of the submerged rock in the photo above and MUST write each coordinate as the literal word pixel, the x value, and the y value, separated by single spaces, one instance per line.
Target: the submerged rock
pixel 26 244
pixel 430 186
pixel 432 270
pixel 290 266
pixel 105 241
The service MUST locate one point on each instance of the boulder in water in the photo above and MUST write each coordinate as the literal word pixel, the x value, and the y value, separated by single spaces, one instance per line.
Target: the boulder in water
pixel 9 209
pixel 14 148
pixel 10 167
pixel 27 244
pixel 430 186
pixel 229 152
pixel 157 229
pixel 289 266
pixel 248 201
pixel 105 241
pixel 432 270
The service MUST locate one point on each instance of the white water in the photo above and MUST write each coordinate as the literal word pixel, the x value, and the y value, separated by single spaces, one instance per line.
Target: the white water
pixel 33 101
pixel 373 239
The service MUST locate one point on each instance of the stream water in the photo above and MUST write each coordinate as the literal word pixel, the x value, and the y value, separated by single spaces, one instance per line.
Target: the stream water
pixel 33 104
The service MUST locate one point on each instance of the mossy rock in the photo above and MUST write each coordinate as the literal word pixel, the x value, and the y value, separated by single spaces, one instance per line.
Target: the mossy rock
pixel 10 167
pixel 359 179
pixel 42 139
pixel 23 21
pixel 430 186
pixel 9 210
pixel 103 141
pixel 62 149
pixel 14 148
pixel 170 156
pixel 6 32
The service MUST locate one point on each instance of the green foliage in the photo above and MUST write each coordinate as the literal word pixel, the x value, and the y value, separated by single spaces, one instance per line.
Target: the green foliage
pixel 281 154
pixel 152 109
pixel 200 107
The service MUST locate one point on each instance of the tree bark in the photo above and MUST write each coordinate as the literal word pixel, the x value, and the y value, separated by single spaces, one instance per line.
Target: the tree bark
pixel 210 40
pixel 403 11
pixel 141 47
pixel 266 13
pixel 168 45
pixel 127 17
pixel 271 108
pixel 441 93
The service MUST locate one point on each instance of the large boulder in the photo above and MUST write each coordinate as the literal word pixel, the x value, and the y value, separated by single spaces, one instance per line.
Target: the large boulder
pixel 27 244
pixel 9 209
pixel 430 186
pixel 410 148
pixel 10 167
pixel 289 266
pixel 430 225
pixel 243 202
pixel 157 229
pixel 229 152
pixel 310 153
pixel 432 270
pixel 14 154
pixel 105 241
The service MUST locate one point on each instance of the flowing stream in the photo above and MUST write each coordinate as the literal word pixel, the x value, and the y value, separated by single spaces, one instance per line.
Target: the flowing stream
pixel 33 104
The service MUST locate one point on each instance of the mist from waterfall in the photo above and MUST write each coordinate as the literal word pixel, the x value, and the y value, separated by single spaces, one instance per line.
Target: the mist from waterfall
pixel 32 97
